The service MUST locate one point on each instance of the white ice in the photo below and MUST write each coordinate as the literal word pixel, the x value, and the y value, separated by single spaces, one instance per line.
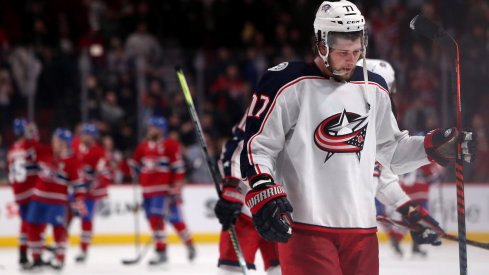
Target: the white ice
pixel 441 260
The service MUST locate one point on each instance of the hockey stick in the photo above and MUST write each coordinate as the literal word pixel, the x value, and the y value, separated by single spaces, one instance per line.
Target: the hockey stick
pixel 212 169
pixel 137 233
pixel 439 230
pixel 140 255
pixel 434 32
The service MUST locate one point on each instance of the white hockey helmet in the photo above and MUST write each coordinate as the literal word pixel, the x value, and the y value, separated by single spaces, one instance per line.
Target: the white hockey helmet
pixel 340 16
pixel 382 68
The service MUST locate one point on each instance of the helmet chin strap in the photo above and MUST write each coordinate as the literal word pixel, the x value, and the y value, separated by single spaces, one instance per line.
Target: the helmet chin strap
pixel 324 57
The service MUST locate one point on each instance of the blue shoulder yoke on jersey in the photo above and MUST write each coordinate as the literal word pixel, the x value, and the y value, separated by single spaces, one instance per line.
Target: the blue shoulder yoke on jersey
pixel 372 77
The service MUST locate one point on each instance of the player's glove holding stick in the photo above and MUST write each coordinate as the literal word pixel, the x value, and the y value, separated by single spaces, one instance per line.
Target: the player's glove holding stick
pixel 229 205
pixel 426 227
pixel 441 145
pixel 270 209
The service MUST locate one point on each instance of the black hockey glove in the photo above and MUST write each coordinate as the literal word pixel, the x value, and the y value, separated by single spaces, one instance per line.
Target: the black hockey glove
pixel 270 209
pixel 441 145
pixel 426 227
pixel 229 205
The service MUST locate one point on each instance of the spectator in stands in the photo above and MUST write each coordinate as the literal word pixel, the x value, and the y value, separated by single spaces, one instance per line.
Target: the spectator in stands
pixel 6 93
pixel 143 44
pixel 110 111
pixel 415 117
pixel 480 173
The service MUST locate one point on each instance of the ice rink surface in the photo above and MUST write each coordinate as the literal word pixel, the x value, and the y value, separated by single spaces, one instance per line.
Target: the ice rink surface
pixel 107 260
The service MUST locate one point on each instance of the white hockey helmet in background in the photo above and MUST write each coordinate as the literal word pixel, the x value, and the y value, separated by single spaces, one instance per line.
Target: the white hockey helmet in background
pixel 382 68
pixel 339 16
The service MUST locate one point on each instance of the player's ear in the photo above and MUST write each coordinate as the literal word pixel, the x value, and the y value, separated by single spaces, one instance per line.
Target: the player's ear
pixel 322 48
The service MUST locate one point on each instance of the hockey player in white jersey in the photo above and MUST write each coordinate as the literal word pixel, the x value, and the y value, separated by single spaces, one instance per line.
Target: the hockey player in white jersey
pixel 383 176
pixel 230 209
pixel 313 133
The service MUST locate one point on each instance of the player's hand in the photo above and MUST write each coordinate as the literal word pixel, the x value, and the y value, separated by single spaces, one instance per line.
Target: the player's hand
pixel 427 227
pixel 270 209
pixel 441 145
pixel 78 207
pixel 229 205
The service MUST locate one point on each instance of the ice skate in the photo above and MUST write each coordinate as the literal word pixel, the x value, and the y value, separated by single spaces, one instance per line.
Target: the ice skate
pixel 395 244
pixel 81 257
pixel 159 258
pixel 23 259
pixel 56 264
pixel 35 266
pixel 191 252
pixel 418 252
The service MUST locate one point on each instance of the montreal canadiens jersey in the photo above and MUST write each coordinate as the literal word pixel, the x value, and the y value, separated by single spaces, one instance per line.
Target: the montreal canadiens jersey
pixel 229 161
pixel 56 177
pixel 320 139
pixel 23 168
pixel 159 164
pixel 95 169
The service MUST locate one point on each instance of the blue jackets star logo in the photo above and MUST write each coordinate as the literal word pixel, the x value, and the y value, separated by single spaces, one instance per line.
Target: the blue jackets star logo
pixel 341 133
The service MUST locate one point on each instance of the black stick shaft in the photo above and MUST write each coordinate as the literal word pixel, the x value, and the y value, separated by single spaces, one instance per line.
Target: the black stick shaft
pixel 431 30
pixel 440 231
pixel 212 170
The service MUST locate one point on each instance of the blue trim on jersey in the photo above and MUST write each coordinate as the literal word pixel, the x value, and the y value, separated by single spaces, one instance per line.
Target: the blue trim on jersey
pixel 47 213
pixel 372 77
pixel 379 207
pixel 269 85
pixel 227 156
pixel 32 168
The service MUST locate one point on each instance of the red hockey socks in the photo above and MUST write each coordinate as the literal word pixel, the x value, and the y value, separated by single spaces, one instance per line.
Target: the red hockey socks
pixel 86 236
pixel 183 232
pixel 23 236
pixel 60 240
pixel 35 243
pixel 158 228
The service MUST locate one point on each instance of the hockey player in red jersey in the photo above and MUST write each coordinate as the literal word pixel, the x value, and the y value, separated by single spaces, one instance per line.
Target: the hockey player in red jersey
pixel 158 164
pixel 173 214
pixel 22 169
pixel 230 209
pixel 59 171
pixel 96 177
pixel 313 134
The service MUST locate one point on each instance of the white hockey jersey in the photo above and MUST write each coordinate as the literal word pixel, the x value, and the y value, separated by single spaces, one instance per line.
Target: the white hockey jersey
pixel 320 139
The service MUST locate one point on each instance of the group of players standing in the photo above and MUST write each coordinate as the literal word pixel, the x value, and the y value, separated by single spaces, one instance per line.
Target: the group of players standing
pixel 54 183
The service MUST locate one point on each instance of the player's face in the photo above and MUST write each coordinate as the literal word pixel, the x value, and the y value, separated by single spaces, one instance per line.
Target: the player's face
pixel 86 139
pixel 344 55
pixel 154 133
pixel 56 144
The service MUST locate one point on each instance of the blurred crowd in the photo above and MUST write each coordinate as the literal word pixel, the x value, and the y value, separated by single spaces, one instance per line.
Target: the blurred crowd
pixel 122 53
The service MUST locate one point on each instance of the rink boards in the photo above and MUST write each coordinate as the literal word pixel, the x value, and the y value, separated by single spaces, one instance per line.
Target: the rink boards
pixel 115 219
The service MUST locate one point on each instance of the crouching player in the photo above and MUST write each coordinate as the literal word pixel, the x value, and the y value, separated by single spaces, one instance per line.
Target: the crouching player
pixel 59 170
pixel 230 209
